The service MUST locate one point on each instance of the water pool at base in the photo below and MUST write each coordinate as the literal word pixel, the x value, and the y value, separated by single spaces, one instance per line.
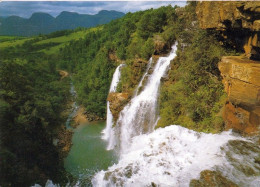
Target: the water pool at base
pixel 88 153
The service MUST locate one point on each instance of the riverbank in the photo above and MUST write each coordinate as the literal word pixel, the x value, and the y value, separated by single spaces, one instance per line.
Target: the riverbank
pixel 79 117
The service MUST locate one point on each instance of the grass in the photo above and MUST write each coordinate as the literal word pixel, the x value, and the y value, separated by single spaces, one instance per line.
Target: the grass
pixel 61 41
pixel 12 41
pixel 9 38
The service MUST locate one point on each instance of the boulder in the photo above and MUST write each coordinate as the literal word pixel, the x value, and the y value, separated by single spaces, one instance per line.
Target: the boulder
pixel 212 179
pixel 117 101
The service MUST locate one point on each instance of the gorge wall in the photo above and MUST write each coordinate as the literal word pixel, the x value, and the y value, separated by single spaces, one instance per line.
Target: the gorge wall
pixel 239 25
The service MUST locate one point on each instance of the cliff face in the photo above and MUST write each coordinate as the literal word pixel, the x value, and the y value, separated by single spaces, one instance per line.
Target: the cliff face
pixel 239 21
pixel 117 101
pixel 239 25
pixel 241 78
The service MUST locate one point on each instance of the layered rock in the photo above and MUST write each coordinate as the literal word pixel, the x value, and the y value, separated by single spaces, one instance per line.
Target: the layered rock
pixel 241 78
pixel 239 21
pixel 117 101
pixel 239 25
pixel 212 179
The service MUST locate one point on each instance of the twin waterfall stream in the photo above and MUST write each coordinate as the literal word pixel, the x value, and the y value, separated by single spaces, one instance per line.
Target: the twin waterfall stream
pixel 170 156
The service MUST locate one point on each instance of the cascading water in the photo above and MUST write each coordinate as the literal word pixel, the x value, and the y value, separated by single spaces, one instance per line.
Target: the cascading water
pixel 140 115
pixel 74 106
pixel 108 132
pixel 174 155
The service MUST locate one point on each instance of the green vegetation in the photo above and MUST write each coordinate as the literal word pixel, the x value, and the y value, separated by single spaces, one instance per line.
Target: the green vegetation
pixel 9 38
pixel 32 98
pixel 194 95
pixel 94 58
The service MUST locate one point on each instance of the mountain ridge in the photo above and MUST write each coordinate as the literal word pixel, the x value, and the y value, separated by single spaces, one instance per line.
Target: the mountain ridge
pixel 44 23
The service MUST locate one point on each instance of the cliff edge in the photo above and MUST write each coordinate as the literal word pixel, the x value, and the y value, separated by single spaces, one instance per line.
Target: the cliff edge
pixel 239 25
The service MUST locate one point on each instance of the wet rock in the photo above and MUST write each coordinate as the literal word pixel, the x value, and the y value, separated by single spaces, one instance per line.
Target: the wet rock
pixel 63 141
pixel 117 101
pixel 211 179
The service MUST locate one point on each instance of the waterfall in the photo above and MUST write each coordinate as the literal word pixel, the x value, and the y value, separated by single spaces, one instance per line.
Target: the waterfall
pixel 140 114
pixel 108 132
pixel 174 155
pixel 74 106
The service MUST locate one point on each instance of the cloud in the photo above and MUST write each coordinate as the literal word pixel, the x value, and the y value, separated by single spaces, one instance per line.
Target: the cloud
pixel 26 8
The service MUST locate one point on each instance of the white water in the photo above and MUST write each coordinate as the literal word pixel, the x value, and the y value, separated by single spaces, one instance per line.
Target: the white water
pixel 174 155
pixel 108 132
pixel 139 116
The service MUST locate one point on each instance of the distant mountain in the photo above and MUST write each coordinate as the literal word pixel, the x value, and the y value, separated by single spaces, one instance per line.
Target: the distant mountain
pixel 43 23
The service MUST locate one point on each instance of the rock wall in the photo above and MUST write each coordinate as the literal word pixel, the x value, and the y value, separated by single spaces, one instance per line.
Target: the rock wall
pixel 239 25
pixel 241 78
pixel 239 21
pixel 117 101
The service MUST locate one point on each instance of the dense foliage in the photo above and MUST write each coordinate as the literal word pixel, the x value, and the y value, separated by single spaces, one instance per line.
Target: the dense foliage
pixel 130 40
pixel 32 95
pixel 32 98
pixel 193 96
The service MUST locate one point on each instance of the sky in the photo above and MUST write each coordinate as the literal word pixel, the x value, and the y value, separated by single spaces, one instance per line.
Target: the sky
pixel 26 8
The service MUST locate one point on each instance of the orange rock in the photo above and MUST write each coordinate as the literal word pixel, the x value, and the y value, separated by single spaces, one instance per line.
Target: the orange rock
pixel 241 78
pixel 211 179
pixel 117 101
pixel 239 20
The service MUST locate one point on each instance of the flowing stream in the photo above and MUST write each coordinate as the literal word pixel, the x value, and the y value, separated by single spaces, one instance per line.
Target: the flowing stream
pixel 170 156
pixel 74 106
pixel 174 155
pixel 108 132
pixel 140 115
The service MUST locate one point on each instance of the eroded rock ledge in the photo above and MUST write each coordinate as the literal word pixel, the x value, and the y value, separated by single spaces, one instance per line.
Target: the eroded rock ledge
pixel 117 101
pixel 238 21
pixel 239 25
pixel 241 78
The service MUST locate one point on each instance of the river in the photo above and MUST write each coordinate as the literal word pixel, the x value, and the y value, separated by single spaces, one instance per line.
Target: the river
pixel 88 153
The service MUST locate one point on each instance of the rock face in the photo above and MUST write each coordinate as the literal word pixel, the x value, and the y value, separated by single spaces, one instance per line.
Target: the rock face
pixel 239 21
pixel 239 25
pixel 212 179
pixel 160 45
pixel 241 78
pixel 117 101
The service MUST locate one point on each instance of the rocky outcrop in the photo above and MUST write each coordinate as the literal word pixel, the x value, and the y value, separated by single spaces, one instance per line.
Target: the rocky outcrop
pixel 239 21
pixel 160 46
pixel 212 179
pixel 241 78
pixel 117 101
pixel 239 26
pixel 63 141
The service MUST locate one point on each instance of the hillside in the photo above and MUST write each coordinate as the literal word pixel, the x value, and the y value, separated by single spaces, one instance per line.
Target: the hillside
pixel 43 23
pixel 190 94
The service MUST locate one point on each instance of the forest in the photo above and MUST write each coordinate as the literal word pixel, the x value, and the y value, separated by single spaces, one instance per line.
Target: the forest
pixel 33 96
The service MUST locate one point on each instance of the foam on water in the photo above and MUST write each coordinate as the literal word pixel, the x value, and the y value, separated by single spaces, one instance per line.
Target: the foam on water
pixel 139 116
pixel 174 155
pixel 108 132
